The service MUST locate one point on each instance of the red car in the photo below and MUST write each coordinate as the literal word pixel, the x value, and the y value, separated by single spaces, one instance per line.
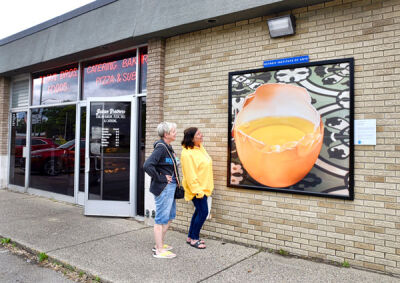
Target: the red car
pixel 36 144
pixel 53 161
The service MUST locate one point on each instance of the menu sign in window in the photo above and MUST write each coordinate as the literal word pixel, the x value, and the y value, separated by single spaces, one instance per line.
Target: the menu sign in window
pixel 110 126
pixel 110 135
pixel 106 134
pixel 110 78
pixel 56 87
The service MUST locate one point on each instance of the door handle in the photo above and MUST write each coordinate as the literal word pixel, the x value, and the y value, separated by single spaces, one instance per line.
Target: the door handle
pixel 87 165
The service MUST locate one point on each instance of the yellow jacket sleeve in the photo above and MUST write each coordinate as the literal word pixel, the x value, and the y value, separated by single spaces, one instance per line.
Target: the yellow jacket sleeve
pixel 189 173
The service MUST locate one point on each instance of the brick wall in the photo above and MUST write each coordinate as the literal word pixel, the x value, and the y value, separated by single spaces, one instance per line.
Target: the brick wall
pixel 4 107
pixel 365 232
pixel 155 91
pixel 154 109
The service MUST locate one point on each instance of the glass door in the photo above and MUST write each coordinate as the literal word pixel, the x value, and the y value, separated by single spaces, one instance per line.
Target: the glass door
pixel 18 149
pixel 110 158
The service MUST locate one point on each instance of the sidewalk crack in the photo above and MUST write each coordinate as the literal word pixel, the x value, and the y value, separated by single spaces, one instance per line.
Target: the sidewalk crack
pixel 93 240
pixel 229 266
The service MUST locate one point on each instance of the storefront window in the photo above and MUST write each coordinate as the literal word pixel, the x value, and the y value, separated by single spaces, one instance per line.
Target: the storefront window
pixel 53 126
pixel 56 87
pixel 53 149
pixel 112 77
pixel 18 143
pixel 143 69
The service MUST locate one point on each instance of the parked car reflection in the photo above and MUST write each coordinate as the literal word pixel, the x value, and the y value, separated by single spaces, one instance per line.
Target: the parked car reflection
pixel 53 161
pixel 37 143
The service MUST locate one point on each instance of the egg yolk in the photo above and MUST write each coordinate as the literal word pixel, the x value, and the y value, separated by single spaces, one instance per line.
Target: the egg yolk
pixel 278 132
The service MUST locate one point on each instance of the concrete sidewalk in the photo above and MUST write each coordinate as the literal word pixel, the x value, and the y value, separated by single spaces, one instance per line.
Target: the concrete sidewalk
pixel 119 250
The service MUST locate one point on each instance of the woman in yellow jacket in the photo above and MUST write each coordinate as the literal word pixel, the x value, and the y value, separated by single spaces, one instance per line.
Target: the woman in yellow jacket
pixel 197 181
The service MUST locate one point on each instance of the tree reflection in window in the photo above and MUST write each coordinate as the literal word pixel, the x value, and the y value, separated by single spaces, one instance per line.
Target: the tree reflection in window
pixel 53 153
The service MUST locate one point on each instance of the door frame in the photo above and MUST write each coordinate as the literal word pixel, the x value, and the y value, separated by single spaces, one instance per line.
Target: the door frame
pixel 113 208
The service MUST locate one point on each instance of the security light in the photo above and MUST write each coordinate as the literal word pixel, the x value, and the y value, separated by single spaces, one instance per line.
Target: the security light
pixel 282 26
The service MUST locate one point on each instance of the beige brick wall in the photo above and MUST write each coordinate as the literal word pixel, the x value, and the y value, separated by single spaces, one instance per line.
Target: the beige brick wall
pixel 155 90
pixel 365 232
pixel 4 108
pixel 4 104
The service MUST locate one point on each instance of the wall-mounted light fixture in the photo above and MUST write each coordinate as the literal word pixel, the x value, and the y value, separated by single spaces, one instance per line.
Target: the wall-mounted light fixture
pixel 282 26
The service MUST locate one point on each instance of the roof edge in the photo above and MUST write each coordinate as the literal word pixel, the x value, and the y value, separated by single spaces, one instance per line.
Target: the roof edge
pixel 54 21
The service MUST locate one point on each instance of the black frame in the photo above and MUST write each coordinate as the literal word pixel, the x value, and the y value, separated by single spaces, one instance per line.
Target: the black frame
pixel 351 134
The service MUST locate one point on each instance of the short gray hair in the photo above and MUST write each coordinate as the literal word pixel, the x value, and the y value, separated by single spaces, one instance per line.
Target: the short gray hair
pixel 165 128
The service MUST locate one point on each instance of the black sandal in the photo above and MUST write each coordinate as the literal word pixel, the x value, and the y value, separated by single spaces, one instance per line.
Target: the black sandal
pixel 188 242
pixel 197 245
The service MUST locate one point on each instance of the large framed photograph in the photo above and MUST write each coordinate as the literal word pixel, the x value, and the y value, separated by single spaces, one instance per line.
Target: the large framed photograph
pixel 290 129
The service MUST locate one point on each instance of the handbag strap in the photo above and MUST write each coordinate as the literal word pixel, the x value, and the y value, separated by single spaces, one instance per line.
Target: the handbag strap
pixel 173 161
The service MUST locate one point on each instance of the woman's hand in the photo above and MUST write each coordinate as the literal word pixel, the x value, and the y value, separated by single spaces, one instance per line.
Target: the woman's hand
pixel 200 195
pixel 169 178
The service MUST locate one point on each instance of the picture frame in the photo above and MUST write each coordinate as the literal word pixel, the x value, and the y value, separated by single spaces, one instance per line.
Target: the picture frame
pixel 291 129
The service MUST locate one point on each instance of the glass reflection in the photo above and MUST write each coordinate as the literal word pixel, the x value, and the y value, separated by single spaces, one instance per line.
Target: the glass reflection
pixel 53 149
pixel 109 151
pixel 82 149
pixel 18 143
pixel 107 78
pixel 57 87
pixel 143 69
pixel 141 156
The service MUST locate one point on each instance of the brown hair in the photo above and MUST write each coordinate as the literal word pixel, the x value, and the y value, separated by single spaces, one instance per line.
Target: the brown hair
pixel 188 136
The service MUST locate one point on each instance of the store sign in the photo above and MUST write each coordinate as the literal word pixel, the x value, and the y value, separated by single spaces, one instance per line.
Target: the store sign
pixel 59 82
pixel 114 72
pixel 110 115
pixel 56 87
pixel 111 78
pixel 286 61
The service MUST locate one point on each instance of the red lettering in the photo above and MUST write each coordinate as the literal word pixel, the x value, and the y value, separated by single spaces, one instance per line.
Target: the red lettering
pixel 105 80
pixel 126 77
pixel 129 62
pixel 71 73
pixel 144 59
pixel 110 66
pixel 50 78
pixel 57 88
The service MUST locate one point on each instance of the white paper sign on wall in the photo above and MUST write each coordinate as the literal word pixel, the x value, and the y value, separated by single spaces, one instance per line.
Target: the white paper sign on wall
pixel 365 132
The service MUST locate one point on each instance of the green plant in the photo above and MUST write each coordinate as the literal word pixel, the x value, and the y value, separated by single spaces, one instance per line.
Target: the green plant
pixel 270 250
pixel 81 273
pixel 97 279
pixel 5 240
pixel 70 267
pixel 43 256
pixel 345 264
pixel 283 252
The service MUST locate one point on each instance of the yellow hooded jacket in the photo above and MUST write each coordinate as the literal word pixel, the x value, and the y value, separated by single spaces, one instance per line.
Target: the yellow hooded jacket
pixel 197 172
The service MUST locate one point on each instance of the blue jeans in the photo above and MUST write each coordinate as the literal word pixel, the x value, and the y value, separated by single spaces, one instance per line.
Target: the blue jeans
pixel 165 204
pixel 199 217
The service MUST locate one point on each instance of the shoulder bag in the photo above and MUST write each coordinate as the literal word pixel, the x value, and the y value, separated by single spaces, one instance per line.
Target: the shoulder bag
pixel 179 191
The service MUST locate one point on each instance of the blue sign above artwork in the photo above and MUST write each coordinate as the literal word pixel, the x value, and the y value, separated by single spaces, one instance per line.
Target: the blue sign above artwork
pixel 286 61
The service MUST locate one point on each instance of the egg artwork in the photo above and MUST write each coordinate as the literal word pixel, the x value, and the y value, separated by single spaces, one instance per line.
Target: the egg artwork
pixel 278 134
